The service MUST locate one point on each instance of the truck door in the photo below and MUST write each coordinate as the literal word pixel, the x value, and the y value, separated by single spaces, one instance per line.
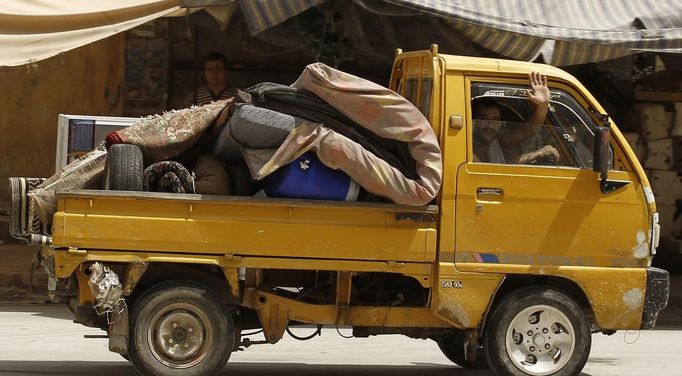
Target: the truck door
pixel 550 211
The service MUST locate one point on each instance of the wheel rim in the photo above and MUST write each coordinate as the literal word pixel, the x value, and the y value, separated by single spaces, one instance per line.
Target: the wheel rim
pixel 179 335
pixel 540 340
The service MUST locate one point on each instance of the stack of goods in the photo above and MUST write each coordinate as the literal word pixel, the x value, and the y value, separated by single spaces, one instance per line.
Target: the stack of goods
pixel 329 136
pixel 658 146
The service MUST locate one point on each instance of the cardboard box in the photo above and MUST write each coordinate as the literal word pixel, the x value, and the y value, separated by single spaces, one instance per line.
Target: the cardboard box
pixel 654 124
pixel 677 225
pixel 677 153
pixel 666 218
pixel 659 154
pixel 632 138
pixel 669 118
pixel 641 151
pixel 677 123
pixel 637 144
pixel 665 185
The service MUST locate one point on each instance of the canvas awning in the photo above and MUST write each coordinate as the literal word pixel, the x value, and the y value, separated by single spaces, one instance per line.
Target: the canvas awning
pixel 34 30
pixel 566 32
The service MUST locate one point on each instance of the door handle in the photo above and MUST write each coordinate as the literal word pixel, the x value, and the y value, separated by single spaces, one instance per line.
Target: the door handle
pixel 489 192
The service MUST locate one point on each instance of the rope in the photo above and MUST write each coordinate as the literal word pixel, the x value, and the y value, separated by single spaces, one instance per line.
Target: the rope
pixel 338 331
pixel 317 332
pixel 632 333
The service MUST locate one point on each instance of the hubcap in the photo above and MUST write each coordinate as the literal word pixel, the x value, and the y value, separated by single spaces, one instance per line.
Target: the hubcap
pixel 179 335
pixel 540 340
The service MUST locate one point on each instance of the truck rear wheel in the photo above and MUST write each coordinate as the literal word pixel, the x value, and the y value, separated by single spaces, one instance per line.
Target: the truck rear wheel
pixel 123 170
pixel 180 328
pixel 537 331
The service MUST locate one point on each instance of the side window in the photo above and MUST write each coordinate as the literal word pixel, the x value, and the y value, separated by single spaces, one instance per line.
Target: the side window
pixel 502 135
pixel 577 126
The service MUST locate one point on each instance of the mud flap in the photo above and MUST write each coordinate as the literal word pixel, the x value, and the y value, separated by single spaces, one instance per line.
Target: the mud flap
pixel 119 332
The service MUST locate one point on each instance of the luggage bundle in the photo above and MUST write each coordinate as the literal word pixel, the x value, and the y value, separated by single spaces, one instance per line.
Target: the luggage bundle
pixel 330 135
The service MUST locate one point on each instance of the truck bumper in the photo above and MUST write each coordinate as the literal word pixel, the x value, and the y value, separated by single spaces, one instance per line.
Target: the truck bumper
pixel 656 298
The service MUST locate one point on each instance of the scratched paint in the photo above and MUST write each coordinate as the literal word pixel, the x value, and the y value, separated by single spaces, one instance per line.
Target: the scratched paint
pixel 641 249
pixel 634 298
pixel 450 307
pixel 649 194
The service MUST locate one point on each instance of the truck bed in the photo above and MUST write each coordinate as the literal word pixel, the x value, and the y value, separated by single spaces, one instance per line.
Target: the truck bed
pixel 244 226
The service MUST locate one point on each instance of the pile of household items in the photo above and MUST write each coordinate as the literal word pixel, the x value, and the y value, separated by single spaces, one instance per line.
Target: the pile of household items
pixel 330 135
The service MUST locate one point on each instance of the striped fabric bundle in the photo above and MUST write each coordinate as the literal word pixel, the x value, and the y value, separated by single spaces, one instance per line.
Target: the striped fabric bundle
pixel 24 223
pixel 264 14
pixel 566 32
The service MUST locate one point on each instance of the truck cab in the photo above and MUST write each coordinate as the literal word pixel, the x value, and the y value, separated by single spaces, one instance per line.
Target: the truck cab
pixel 513 266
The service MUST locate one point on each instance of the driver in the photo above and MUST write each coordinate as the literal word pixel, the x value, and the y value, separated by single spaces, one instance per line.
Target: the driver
pixel 489 142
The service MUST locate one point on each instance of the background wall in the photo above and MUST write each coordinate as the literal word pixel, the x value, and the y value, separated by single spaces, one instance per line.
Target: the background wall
pixel 83 81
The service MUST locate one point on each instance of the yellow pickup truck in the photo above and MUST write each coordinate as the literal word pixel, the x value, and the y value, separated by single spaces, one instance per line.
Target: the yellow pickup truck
pixel 513 266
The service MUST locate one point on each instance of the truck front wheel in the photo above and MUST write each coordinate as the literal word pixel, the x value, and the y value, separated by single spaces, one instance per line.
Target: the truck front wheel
pixel 537 331
pixel 180 328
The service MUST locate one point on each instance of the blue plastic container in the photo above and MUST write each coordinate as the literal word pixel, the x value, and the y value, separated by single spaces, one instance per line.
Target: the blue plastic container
pixel 307 177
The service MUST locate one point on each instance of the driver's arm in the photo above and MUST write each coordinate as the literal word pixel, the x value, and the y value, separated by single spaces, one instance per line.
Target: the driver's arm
pixel 545 151
pixel 539 97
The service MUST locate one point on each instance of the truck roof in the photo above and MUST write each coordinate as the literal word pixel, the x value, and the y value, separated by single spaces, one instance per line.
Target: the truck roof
pixel 490 65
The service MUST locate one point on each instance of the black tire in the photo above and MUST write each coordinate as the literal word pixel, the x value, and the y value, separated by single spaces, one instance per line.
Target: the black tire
pixel 453 348
pixel 180 328
pixel 538 325
pixel 123 170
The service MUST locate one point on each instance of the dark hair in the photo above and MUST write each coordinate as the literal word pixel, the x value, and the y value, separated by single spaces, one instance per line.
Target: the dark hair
pixel 216 56
pixel 483 102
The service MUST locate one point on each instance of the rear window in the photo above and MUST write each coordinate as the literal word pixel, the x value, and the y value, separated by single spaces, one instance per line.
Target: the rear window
pixel 420 99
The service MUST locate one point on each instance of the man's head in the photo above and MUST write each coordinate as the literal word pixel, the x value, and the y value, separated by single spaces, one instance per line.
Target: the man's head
pixel 215 69
pixel 487 118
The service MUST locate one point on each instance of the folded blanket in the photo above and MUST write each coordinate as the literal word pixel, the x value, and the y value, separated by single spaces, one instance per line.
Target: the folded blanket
pixel 85 172
pixel 168 176
pixel 379 110
pixel 308 106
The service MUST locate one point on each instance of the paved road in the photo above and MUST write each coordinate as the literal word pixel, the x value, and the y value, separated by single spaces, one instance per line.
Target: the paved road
pixel 42 340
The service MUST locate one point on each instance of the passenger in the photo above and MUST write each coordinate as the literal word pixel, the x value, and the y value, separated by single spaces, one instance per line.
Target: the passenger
pixel 489 142
pixel 216 74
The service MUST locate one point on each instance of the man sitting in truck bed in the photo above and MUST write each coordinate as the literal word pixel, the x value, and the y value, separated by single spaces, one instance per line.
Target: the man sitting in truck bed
pixel 489 142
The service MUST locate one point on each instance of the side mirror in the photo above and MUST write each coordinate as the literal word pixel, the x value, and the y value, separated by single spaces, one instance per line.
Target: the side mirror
pixel 602 156
pixel 600 159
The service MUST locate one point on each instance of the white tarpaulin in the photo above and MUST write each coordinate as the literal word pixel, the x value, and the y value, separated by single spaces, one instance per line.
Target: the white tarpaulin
pixel 32 30
pixel 37 29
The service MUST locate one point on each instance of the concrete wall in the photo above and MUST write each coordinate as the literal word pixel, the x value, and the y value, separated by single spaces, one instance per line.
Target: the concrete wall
pixel 83 81
pixel 86 80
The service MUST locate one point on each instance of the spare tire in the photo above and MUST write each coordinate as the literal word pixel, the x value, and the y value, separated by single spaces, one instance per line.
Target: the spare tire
pixel 123 170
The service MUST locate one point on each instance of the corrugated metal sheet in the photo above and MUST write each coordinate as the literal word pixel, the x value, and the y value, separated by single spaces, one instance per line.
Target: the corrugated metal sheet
pixel 566 32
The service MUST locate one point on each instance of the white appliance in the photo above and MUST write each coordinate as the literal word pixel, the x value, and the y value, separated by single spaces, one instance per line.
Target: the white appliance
pixel 78 134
